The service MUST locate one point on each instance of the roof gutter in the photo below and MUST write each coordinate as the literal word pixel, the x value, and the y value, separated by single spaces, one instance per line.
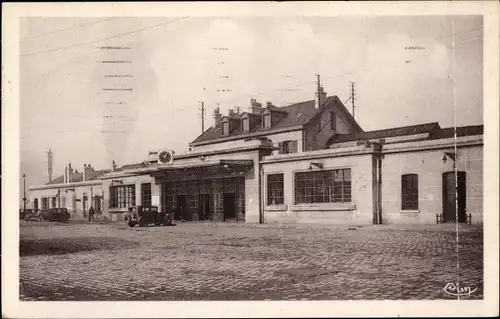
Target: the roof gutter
pixel 66 185
pixel 247 135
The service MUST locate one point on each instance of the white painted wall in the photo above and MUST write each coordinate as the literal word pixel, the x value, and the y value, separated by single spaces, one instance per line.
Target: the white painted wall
pixel 116 214
pixel 74 190
pixel 359 212
pixel 429 167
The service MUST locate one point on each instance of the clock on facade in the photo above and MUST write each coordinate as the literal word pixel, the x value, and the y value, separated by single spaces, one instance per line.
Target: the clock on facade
pixel 165 157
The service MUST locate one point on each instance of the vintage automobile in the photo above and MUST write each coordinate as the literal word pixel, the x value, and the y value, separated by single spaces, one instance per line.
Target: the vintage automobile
pixel 146 216
pixel 56 214
pixel 30 214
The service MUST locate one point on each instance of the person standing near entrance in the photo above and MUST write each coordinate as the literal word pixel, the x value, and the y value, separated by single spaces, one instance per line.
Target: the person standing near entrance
pixel 91 214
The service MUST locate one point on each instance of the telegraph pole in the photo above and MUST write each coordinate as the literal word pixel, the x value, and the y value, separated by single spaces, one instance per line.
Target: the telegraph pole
pixel 319 90
pixel 353 96
pixel 24 196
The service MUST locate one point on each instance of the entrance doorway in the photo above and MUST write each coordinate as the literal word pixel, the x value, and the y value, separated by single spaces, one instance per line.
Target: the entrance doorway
pixel 452 197
pixel 97 204
pixel 229 206
pixel 204 207
pixel 181 211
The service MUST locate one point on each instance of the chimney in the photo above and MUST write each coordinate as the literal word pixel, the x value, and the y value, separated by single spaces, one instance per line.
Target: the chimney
pixel 230 113
pixel 84 172
pixel 321 97
pixel 217 116
pixel 113 166
pixel 70 172
pixel 270 105
pixel 49 155
pixel 255 107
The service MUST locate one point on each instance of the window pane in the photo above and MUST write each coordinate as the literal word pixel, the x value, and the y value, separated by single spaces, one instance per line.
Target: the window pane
pixel 323 186
pixel 409 191
pixel 275 189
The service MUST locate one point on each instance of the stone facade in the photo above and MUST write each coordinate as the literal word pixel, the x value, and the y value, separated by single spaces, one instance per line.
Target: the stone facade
pixel 334 174
pixel 76 197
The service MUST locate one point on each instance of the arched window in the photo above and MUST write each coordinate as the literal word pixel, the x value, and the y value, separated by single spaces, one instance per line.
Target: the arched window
pixel 409 192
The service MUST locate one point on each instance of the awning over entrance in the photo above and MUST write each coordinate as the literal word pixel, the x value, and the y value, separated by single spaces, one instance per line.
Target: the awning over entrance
pixel 197 170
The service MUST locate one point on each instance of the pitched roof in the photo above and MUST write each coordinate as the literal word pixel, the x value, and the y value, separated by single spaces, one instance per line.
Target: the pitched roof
pixel 295 115
pixel 385 133
pixel 78 177
pixel 433 129
pixel 449 132
pixel 130 166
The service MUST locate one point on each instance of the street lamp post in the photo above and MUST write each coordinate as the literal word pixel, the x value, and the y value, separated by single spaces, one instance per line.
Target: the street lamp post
pixel 24 195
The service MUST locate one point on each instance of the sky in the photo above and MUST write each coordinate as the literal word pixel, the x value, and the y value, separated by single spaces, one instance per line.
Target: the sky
pixel 172 64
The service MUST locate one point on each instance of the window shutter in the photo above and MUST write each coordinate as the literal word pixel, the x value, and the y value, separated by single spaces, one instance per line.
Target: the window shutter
pixel 294 146
pixel 280 147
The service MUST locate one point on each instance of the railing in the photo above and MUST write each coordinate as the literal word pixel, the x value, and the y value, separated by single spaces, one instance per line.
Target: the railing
pixel 440 220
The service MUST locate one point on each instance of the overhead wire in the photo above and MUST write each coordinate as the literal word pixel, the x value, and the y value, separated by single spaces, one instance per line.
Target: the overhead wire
pixel 67 29
pixel 103 39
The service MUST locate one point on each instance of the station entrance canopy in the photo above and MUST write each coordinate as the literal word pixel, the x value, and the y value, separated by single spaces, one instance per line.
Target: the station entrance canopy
pixel 198 170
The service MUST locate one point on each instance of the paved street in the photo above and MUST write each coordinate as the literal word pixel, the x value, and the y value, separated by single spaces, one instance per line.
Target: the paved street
pixel 196 261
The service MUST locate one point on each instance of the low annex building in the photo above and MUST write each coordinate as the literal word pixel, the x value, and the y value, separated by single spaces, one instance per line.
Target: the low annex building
pixel 306 162
pixel 73 190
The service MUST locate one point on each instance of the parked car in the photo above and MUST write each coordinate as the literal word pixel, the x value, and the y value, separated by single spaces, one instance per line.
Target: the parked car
pixel 56 214
pixel 30 214
pixel 147 215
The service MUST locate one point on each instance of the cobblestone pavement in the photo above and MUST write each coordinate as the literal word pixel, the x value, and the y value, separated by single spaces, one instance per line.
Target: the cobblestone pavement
pixel 196 261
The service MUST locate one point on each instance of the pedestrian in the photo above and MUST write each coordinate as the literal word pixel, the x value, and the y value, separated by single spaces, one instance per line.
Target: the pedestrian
pixel 91 214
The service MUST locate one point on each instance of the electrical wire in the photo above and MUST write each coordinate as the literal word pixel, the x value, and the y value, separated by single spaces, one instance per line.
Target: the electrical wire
pixel 103 39
pixel 61 30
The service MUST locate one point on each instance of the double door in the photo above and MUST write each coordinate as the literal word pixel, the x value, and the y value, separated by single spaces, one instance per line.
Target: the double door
pixel 454 197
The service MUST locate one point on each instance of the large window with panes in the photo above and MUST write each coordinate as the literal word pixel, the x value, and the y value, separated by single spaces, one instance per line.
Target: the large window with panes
pixel 287 147
pixel 326 186
pixel 122 196
pixel 146 194
pixel 409 192
pixel 275 189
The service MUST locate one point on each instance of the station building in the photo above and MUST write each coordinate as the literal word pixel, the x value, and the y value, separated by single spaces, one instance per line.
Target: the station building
pixel 76 191
pixel 307 162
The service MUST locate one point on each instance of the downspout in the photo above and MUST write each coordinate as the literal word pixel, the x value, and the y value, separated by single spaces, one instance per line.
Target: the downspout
pixel 379 190
pixel 379 158
pixel 261 194
pixel 261 181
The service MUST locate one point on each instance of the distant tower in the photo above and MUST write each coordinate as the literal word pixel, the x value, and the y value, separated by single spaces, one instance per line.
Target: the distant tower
pixel 50 164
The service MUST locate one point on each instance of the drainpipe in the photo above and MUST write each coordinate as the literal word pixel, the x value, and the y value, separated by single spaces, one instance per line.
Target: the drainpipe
pixel 379 190
pixel 379 157
pixel 261 181
pixel 261 200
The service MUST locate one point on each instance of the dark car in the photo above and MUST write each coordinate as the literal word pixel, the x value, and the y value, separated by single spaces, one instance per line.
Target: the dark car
pixel 28 214
pixel 148 215
pixel 56 215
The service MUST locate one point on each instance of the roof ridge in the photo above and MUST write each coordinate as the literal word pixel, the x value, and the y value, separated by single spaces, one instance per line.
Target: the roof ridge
pixel 401 127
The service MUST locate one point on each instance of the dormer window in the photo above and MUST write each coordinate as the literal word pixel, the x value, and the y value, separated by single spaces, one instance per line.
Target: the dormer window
pixel 266 122
pixel 246 124
pixel 225 127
